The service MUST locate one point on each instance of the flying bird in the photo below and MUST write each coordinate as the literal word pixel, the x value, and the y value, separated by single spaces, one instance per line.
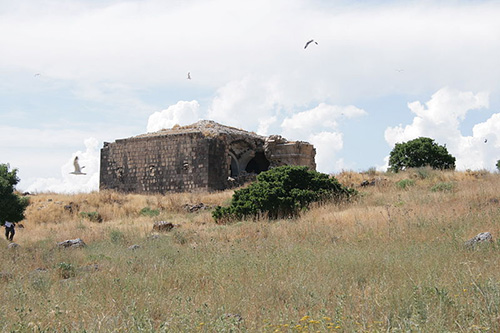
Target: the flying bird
pixel 309 42
pixel 189 76
pixel 485 140
pixel 78 170
pixel 400 70
pixel 37 74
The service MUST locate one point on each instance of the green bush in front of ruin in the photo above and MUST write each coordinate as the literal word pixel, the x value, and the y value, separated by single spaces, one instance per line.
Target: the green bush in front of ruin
pixel 282 192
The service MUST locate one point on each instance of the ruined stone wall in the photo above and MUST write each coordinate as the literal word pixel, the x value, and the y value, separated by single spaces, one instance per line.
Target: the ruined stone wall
pixel 160 164
pixel 202 156
pixel 280 152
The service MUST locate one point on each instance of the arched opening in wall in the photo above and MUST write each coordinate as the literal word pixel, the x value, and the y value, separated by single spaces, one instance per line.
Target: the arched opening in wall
pixel 257 164
pixel 234 169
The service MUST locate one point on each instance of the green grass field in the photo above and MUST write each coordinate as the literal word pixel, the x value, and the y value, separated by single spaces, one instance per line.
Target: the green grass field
pixel 392 261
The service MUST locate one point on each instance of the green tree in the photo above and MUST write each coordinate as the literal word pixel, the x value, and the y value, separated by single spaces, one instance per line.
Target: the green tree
pixel 12 206
pixel 498 165
pixel 420 152
pixel 282 192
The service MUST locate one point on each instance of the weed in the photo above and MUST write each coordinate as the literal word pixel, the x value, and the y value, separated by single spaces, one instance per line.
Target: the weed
pixel 443 187
pixel 147 211
pixel 66 270
pixel 405 183
pixel 91 216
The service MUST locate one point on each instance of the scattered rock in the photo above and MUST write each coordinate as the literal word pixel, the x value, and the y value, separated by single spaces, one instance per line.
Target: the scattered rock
pixel 368 183
pixel 71 207
pixel 494 201
pixel 163 226
pixel 153 237
pixel 72 243
pixel 13 246
pixel 134 247
pixel 40 270
pixel 479 238
pixel 195 208
pixel 89 268
pixel 233 316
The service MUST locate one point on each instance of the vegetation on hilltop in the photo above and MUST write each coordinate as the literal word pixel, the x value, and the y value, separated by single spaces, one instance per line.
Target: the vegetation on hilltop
pixel 12 206
pixel 420 152
pixel 282 192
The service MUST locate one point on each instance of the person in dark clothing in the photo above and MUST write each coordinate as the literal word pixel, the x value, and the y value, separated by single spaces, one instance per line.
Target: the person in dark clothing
pixel 9 230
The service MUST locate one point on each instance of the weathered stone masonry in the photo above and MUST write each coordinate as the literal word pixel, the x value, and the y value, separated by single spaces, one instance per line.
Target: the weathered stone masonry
pixel 202 156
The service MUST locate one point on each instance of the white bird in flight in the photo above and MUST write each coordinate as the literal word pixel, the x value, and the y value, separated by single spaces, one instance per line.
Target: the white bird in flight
pixel 78 170
pixel 309 42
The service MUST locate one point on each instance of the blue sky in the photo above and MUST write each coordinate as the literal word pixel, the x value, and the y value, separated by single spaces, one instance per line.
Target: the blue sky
pixel 76 74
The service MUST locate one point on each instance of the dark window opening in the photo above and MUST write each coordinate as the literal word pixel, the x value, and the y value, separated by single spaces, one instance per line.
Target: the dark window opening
pixel 257 164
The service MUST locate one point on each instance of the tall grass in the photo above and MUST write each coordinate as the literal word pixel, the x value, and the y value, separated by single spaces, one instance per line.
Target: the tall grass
pixel 393 260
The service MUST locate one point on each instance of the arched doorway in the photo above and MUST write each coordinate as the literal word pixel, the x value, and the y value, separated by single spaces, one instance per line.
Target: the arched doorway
pixel 257 164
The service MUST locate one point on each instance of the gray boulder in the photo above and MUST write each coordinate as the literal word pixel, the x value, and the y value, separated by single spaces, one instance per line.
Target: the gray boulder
pixel 72 243
pixel 163 226
pixel 483 237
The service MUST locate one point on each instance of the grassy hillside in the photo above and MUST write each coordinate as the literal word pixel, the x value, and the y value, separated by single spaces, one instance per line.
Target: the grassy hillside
pixel 393 260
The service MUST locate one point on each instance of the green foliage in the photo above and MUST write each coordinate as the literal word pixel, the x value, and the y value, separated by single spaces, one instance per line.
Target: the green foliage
pixel 147 211
pixel 420 152
pixel 405 183
pixel 12 206
pixel 282 192
pixel 66 270
pixel 116 236
pixel 498 165
pixel 91 216
pixel 443 187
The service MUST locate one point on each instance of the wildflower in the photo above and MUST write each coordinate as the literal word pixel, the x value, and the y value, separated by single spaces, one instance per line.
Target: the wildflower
pixel 304 318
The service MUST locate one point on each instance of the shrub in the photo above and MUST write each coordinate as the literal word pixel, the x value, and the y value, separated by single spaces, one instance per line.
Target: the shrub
pixel 420 152
pixel 12 206
pixel 443 187
pixel 282 192
pixel 91 216
pixel 147 211
pixel 405 183
pixel 66 270
pixel 116 236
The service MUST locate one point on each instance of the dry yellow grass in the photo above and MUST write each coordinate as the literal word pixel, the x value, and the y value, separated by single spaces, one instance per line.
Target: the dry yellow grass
pixel 392 260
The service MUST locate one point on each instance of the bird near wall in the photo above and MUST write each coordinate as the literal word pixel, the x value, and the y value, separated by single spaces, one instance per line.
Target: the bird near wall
pixel 78 169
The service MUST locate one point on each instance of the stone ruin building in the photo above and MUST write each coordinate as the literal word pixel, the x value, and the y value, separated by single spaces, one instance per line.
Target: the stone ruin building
pixel 204 156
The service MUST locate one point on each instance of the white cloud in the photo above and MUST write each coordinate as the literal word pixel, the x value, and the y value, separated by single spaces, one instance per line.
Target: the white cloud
pixel 319 126
pixel 246 59
pixel 248 103
pixel 324 116
pixel 440 119
pixel 264 124
pixel 328 145
pixel 69 183
pixel 182 113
